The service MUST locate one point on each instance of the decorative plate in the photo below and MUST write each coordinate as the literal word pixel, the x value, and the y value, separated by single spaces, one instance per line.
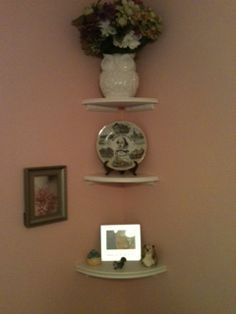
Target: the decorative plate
pixel 121 145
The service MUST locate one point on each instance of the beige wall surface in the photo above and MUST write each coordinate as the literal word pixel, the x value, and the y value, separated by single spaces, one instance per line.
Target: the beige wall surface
pixel 190 214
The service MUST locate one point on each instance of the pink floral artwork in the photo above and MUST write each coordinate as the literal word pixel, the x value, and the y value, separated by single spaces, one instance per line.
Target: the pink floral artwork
pixel 46 202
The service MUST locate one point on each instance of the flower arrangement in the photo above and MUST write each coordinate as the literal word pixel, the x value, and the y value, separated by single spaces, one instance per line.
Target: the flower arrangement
pixel 118 26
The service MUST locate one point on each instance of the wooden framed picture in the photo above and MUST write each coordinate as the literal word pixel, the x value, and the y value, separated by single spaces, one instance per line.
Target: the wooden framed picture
pixel 45 191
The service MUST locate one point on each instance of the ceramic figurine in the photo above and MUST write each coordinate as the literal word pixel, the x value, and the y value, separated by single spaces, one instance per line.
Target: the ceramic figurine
pixel 120 264
pixel 149 255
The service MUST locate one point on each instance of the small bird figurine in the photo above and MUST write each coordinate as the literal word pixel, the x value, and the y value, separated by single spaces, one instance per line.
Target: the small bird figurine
pixel 120 264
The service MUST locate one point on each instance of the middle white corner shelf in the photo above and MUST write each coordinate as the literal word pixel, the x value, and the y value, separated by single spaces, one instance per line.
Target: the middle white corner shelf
pixel 120 103
pixel 121 179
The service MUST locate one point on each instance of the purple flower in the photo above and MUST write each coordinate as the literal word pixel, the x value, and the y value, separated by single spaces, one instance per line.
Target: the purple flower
pixel 108 11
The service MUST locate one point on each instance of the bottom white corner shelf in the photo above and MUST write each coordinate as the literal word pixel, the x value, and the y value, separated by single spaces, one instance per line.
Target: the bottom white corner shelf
pixel 131 270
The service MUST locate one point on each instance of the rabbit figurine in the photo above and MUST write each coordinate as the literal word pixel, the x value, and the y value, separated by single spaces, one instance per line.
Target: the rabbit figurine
pixel 149 255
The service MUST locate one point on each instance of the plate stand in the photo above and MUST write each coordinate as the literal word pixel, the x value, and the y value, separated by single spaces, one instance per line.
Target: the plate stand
pixel 132 170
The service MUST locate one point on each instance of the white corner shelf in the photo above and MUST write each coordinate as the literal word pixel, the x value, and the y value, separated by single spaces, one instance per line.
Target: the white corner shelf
pixel 121 179
pixel 131 270
pixel 122 103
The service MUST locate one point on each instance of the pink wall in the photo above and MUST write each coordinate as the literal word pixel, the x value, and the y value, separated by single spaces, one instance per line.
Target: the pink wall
pixel 190 214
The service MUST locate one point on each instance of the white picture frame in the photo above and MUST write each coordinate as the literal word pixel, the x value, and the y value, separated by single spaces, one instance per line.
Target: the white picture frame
pixel 119 241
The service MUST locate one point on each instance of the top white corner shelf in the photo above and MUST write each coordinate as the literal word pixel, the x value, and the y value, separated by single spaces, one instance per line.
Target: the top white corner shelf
pixel 121 103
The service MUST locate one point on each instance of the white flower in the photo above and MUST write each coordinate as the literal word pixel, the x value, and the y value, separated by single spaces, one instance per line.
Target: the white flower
pixel 122 21
pixel 130 40
pixel 88 10
pixel 129 7
pixel 106 28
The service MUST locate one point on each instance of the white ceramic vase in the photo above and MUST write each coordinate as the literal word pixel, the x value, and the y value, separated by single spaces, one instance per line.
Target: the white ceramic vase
pixel 118 77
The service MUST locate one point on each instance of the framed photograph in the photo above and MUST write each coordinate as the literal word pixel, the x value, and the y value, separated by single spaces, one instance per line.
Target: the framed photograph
pixel 45 191
pixel 119 241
